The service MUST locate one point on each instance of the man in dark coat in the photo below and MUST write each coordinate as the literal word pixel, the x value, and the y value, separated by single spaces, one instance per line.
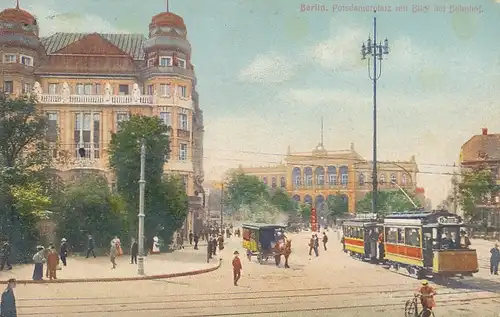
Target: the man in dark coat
pixel 4 256
pixel 8 304
pixel 91 247
pixel 63 252
pixel 191 236
pixel 196 239
pixel 214 245
pixel 209 251
pixel 134 250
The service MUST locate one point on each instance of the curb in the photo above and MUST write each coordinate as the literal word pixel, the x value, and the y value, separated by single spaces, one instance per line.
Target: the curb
pixel 121 279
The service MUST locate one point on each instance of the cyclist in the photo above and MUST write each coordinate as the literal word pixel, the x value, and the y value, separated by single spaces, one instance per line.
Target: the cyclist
pixel 426 294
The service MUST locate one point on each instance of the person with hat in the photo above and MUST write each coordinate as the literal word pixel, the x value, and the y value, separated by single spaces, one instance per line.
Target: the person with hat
pixel 426 294
pixel 237 267
pixel 8 304
pixel 39 259
pixel 4 256
pixel 63 251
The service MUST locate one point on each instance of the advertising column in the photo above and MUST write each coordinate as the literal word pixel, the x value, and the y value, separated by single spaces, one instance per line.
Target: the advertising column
pixel 314 220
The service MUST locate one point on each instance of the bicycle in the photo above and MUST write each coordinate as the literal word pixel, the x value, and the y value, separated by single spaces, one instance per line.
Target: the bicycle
pixel 411 308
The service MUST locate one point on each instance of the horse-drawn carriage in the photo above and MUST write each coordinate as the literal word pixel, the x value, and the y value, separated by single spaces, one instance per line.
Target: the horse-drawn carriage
pixel 264 241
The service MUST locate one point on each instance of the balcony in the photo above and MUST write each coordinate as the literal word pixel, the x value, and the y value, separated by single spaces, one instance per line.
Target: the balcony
pixel 106 98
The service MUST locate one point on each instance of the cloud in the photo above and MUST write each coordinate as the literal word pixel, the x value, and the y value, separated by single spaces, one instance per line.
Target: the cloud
pixel 322 97
pixel 52 21
pixel 270 68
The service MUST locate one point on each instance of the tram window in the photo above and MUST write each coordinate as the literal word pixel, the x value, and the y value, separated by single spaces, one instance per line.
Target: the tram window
pixel 391 235
pixel 435 242
pixel 412 237
pixel 401 236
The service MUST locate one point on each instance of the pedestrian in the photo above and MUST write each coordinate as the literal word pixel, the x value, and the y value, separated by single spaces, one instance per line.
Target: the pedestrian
pixel 311 244
pixel 191 236
pixel 214 245
pixel 112 254
pixel 316 245
pixel 90 247
pixel 63 251
pixel 209 251
pixel 8 303
pixel 38 259
pixel 134 249
pixel 494 259
pixel 220 241
pixel 325 240
pixel 52 262
pixel 237 267
pixel 4 256
pixel 48 251
pixel 196 239
pixel 118 243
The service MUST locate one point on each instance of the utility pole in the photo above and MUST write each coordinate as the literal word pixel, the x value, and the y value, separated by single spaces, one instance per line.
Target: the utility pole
pixel 142 187
pixel 377 51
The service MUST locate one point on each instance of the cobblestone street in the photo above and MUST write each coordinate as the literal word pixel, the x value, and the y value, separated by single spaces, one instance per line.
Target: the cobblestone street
pixel 331 285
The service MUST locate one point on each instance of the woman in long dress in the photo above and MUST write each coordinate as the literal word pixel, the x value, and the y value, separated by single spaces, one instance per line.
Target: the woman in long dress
pixel 156 245
pixel 39 259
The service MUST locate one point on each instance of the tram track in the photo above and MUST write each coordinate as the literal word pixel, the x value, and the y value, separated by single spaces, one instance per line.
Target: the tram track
pixel 288 300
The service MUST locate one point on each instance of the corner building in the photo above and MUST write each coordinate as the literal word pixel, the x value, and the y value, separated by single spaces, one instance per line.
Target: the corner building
pixel 88 83
pixel 311 177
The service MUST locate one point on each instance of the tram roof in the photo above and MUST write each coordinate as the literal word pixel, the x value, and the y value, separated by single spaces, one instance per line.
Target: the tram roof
pixel 430 217
pixel 259 226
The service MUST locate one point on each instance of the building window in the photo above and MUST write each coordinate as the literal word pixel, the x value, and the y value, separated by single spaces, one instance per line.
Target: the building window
pixel 183 121
pixel 151 62
pixel 264 180
pixel 87 134
pixel 283 182
pixel 120 117
pixel 404 179
pixel 26 88
pixel 53 88
pixel 165 89
pixel 97 89
pixel 182 91
pixel 80 89
pixel 52 127
pixel 393 178
pixel 165 118
pixel 274 182
pixel 309 180
pixel 8 86
pixel 9 58
pixel 123 89
pixel 181 63
pixel 88 89
pixel 382 179
pixel 332 179
pixel 361 179
pixel 183 152
pixel 344 179
pixel 165 61
pixel 151 90
pixel 26 60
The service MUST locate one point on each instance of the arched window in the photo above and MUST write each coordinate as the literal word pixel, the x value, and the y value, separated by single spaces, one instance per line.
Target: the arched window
pixel 308 176
pixel 404 179
pixel 361 179
pixel 332 175
pixel 393 178
pixel 382 179
pixel 320 176
pixel 274 182
pixel 264 180
pixel 296 177
pixel 283 182
pixel 308 200
pixel 296 197
pixel 344 178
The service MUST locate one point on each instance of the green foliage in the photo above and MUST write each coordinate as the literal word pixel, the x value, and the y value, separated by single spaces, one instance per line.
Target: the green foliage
pixel 90 207
pixel 24 160
pixel 475 187
pixel 283 202
pixel 165 197
pixel 304 210
pixel 387 201
pixel 243 189
pixel 336 205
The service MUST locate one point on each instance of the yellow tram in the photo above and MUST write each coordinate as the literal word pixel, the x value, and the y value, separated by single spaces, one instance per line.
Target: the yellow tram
pixel 360 236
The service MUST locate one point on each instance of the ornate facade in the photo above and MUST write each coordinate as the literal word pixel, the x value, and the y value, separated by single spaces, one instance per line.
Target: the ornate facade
pixel 88 83
pixel 311 177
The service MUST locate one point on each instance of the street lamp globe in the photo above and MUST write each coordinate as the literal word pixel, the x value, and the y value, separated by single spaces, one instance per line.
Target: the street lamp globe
pixel 369 45
pixel 363 51
pixel 386 46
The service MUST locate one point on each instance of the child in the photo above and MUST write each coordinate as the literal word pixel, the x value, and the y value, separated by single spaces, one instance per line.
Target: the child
pixel 249 255
pixel 236 268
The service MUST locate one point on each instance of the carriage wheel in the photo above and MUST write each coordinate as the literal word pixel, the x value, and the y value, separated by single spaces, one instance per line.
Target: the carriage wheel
pixel 411 308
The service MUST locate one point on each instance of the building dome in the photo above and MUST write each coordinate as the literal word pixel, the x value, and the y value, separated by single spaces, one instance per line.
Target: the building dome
pixel 167 19
pixel 17 15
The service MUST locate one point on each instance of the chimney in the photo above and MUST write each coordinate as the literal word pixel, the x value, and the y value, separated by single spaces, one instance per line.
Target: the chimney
pixel 485 131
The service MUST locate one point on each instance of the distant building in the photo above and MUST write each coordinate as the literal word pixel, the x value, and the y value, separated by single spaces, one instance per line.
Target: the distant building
pixel 311 177
pixel 482 150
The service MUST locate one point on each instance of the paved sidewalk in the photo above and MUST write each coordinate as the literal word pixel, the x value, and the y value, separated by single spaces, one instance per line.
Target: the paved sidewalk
pixel 80 268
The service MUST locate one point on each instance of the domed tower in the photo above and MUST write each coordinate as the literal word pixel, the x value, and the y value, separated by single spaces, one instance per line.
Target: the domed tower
pixel 19 49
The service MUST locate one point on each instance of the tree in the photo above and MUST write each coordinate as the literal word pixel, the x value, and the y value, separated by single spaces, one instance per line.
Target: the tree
pixel 387 201
pixel 304 210
pixel 243 189
pixel 89 207
pixel 165 199
pixel 337 205
pixel 25 158
pixel 283 202
pixel 476 186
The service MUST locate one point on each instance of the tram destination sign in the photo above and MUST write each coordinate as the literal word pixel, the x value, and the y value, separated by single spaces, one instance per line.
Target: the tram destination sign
pixel 448 220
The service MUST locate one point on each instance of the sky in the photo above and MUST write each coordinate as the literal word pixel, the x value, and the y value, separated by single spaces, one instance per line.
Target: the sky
pixel 268 71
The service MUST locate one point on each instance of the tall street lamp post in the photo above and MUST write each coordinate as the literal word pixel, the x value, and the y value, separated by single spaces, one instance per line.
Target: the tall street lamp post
pixel 377 51
pixel 142 187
